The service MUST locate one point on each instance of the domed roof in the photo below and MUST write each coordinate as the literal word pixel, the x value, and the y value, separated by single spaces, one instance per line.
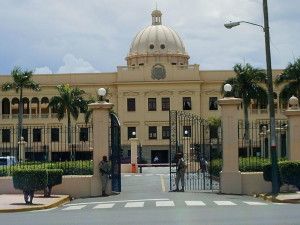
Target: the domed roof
pixel 157 39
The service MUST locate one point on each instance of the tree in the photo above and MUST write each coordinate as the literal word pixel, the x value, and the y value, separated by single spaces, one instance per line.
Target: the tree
pixel 21 80
pixel 69 101
pixel 291 78
pixel 246 86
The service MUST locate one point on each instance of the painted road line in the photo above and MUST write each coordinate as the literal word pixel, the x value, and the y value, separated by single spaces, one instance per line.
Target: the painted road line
pixel 164 203
pixel 224 203
pixel 195 203
pixel 256 203
pixel 134 204
pixel 138 200
pixel 74 207
pixel 104 206
pixel 163 188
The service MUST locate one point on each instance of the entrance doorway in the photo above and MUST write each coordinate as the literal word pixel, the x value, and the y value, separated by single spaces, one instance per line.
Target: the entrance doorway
pixel 163 156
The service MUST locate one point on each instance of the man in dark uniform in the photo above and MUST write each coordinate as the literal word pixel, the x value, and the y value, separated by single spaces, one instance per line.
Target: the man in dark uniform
pixel 180 170
pixel 104 173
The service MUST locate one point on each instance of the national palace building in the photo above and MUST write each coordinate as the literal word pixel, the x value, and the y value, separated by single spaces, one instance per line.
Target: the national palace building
pixel 157 78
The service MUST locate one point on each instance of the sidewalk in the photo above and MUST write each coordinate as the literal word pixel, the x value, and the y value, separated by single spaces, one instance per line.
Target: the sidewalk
pixel 16 203
pixel 285 197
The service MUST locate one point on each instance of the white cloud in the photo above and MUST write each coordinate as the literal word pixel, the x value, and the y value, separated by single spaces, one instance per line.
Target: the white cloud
pixel 76 65
pixel 99 33
pixel 42 70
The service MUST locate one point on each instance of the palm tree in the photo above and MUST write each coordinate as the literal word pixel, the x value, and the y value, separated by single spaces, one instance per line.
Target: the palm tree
pixel 21 80
pixel 245 86
pixel 70 101
pixel 291 77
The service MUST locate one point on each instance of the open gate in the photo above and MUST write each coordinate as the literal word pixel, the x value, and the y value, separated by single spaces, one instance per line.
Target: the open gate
pixel 115 153
pixel 200 144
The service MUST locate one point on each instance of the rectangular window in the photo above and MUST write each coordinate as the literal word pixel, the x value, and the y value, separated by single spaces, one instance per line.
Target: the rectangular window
pixel 152 132
pixel 5 135
pixel 130 104
pixel 131 131
pixel 165 132
pixel 213 103
pixel 54 134
pixel 187 131
pixel 37 135
pixel 151 104
pixel 165 104
pixel 84 134
pixel 187 103
pixel 25 134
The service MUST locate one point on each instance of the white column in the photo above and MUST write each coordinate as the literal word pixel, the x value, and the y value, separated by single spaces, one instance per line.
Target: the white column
pixel 22 150
pixel 133 144
pixel 293 115
pixel 231 179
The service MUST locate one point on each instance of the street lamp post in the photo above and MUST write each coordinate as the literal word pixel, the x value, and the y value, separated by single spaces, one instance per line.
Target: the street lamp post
pixel 275 183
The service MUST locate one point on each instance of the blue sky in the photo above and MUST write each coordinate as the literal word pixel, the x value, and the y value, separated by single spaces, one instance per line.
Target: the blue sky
pixel 74 36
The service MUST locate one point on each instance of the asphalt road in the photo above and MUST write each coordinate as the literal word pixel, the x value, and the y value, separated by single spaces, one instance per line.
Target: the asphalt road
pixel 145 199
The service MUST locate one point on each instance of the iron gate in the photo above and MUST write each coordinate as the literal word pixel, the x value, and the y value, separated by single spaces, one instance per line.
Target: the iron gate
pixel 115 154
pixel 200 144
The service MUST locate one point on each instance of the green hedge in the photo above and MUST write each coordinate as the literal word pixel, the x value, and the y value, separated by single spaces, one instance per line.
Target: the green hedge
pixel 290 173
pixel 83 167
pixel 54 177
pixel 30 180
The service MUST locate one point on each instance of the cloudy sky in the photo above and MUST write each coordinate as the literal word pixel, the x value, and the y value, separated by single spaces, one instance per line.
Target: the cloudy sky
pixel 74 36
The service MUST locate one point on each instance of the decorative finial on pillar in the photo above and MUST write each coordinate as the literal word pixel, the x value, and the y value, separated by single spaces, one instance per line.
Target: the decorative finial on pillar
pixel 294 102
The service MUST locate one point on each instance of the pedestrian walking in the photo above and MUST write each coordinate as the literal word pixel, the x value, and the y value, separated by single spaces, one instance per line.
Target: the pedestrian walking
pixel 180 171
pixel 104 170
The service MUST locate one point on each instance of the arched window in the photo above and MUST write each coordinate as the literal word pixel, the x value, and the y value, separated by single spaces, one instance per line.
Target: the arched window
pixel 25 106
pixel 5 106
pixel 44 107
pixel 35 107
pixel 275 95
pixel 15 106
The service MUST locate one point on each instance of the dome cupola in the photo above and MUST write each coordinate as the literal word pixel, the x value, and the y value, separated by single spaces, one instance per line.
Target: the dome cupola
pixel 157 44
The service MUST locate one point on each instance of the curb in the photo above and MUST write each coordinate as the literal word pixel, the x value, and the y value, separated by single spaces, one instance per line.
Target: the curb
pixel 272 198
pixel 57 203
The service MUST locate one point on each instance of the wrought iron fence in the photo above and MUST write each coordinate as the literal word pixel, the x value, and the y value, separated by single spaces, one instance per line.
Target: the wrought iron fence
pixel 48 147
pixel 254 143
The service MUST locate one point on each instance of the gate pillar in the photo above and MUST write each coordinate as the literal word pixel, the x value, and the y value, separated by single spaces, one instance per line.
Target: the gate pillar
pixel 133 146
pixel 231 179
pixel 101 142
pixel 293 115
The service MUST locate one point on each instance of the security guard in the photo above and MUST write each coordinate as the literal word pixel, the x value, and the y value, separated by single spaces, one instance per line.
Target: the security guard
pixel 180 170
pixel 104 170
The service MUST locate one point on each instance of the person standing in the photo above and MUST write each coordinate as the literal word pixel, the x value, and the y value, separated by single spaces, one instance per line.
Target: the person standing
pixel 104 173
pixel 180 171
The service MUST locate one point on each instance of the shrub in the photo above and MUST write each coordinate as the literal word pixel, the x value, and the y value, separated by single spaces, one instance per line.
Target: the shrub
pixel 30 181
pixel 54 178
pixel 290 173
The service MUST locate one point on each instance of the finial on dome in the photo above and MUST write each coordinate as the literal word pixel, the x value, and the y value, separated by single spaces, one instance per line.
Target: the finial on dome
pixel 156 16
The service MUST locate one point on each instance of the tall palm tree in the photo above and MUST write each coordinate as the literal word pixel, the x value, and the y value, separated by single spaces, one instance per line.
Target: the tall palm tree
pixel 21 80
pixel 291 78
pixel 70 101
pixel 246 86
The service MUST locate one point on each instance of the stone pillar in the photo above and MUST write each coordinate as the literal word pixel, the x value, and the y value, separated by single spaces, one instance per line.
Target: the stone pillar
pixel 101 142
pixel 22 150
pixel 293 115
pixel 231 179
pixel 133 144
pixel 263 136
